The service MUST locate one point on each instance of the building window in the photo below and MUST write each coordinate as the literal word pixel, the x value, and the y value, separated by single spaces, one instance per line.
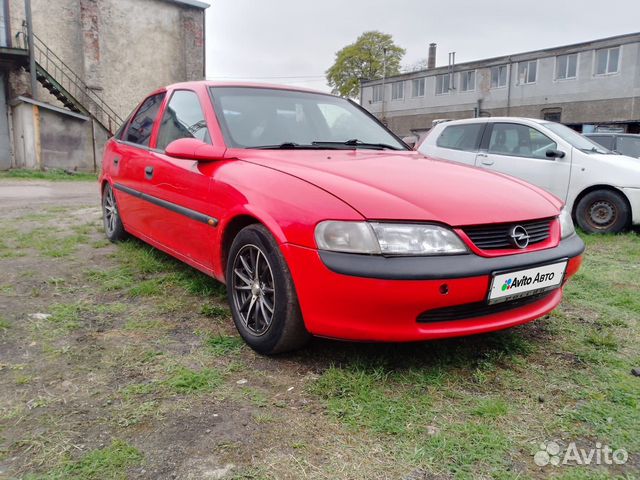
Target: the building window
pixel 442 84
pixel 607 60
pixel 566 66
pixel 378 93
pixel 527 72
pixel 397 90
pixel 468 81
pixel 499 76
pixel 552 115
pixel 417 87
pixel 183 118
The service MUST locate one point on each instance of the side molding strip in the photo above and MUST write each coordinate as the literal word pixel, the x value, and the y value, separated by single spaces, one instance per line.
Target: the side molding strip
pixel 192 214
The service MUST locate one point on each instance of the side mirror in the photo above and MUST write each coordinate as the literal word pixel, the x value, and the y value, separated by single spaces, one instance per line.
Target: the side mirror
pixel 194 149
pixel 555 154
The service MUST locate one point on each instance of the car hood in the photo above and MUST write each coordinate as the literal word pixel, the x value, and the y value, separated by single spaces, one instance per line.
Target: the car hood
pixel 627 166
pixel 408 186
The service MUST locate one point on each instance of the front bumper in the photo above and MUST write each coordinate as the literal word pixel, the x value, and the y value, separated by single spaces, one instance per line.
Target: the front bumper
pixel 372 298
pixel 633 194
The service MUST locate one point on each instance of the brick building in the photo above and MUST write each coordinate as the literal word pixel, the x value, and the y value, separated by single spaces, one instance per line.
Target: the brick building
pixel 95 59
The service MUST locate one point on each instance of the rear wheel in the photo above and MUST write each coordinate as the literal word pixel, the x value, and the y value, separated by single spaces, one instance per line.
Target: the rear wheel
pixel 603 211
pixel 261 294
pixel 113 227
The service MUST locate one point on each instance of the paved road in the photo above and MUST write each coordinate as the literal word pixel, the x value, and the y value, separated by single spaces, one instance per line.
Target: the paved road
pixel 17 193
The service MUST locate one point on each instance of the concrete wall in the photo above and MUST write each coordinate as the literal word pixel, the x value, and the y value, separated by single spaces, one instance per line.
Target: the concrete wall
pixel 49 137
pixel 589 98
pixel 123 49
pixel 5 145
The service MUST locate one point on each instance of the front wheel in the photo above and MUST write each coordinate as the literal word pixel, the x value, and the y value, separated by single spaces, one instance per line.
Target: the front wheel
pixel 603 211
pixel 260 290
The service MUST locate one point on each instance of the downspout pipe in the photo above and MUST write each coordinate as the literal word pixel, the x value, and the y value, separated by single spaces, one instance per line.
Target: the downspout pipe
pixel 32 58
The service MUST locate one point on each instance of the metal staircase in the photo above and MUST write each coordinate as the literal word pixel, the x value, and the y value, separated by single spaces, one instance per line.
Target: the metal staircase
pixel 67 86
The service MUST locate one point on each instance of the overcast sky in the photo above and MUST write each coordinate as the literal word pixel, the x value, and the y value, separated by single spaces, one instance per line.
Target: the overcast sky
pixel 294 41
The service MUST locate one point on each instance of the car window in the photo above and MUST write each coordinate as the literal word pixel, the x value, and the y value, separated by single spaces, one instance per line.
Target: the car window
pixel 605 140
pixel 629 146
pixel 183 118
pixel 519 140
pixel 141 125
pixel 461 137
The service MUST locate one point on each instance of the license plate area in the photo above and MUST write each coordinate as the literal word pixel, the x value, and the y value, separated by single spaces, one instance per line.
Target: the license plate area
pixel 514 284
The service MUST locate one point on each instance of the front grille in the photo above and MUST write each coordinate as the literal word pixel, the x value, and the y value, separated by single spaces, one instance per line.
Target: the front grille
pixel 478 309
pixel 493 237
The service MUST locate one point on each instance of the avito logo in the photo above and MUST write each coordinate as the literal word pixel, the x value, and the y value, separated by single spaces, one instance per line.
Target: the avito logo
pixel 525 280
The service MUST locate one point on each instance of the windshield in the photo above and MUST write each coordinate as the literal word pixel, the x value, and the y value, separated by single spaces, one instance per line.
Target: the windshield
pixel 253 117
pixel 575 139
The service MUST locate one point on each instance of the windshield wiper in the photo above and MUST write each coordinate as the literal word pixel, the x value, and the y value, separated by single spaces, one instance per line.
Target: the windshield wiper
pixel 354 142
pixel 593 150
pixel 286 146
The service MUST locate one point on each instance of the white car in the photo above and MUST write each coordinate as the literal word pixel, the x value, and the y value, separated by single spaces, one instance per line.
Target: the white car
pixel 601 188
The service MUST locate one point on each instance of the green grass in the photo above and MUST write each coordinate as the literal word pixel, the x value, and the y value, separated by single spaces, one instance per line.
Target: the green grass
pixel 4 325
pixel 475 407
pixel 215 311
pixel 184 380
pixel 53 174
pixel 109 463
pixel 220 345
pixel 49 242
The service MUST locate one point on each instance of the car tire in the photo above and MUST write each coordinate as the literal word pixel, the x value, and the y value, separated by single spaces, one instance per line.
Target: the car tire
pixel 263 300
pixel 113 228
pixel 603 211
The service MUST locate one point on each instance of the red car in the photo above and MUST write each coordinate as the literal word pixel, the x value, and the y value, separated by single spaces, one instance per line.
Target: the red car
pixel 322 222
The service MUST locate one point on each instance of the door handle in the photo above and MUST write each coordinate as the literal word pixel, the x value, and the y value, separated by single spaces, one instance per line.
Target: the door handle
pixel 116 161
pixel 148 172
pixel 484 159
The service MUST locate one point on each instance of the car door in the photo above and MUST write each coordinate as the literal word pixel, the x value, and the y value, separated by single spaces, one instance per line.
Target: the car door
pixel 130 154
pixel 183 216
pixel 457 142
pixel 521 151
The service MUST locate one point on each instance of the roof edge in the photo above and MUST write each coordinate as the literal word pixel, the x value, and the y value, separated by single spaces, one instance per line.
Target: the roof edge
pixel 191 3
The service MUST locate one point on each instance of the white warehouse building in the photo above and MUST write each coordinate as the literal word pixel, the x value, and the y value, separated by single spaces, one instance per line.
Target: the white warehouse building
pixel 590 86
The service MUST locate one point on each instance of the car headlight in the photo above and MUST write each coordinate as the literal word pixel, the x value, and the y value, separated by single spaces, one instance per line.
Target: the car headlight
pixel 387 238
pixel 566 223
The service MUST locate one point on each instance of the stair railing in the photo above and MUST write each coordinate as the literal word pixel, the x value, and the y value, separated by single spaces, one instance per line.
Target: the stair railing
pixel 74 87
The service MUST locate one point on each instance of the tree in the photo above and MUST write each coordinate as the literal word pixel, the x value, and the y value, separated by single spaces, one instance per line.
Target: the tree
pixel 367 58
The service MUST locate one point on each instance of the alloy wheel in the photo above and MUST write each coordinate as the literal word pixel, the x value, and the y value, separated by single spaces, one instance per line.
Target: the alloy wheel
pixel 110 211
pixel 253 289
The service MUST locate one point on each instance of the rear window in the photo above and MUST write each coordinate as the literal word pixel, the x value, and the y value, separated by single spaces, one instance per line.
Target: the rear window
pixel 461 137
pixel 605 140
pixel 629 146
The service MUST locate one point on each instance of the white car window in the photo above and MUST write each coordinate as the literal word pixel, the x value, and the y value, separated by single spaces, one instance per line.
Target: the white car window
pixel 519 140
pixel 629 146
pixel 461 137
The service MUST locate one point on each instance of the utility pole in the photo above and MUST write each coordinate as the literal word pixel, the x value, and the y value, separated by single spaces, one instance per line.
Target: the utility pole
pixel 32 58
pixel 384 76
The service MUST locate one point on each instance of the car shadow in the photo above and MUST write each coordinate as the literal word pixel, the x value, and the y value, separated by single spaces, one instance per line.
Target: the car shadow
pixel 466 353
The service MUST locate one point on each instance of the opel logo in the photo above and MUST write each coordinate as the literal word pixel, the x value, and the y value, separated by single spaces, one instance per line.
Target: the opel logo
pixel 519 236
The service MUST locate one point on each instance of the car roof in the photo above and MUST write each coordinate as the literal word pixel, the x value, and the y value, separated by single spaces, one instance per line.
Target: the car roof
pixel 210 83
pixel 614 134
pixel 493 120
